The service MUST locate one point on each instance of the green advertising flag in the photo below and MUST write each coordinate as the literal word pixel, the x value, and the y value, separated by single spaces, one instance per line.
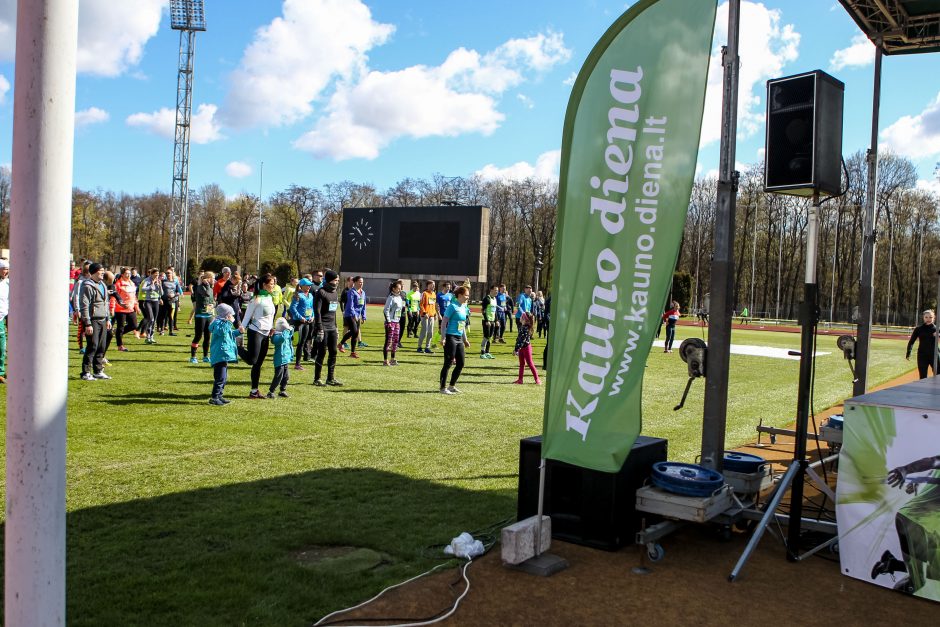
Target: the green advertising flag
pixel 628 159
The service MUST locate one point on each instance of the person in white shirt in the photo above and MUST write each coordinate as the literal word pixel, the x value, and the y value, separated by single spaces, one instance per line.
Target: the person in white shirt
pixel 259 320
pixel 394 306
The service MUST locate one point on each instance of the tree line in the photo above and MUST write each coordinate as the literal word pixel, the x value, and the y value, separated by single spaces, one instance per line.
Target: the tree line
pixel 301 226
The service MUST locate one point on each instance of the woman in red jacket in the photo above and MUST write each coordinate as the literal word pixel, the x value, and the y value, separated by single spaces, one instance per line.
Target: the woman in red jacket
pixel 125 313
pixel 671 317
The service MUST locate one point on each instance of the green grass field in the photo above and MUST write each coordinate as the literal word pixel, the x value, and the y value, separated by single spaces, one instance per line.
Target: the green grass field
pixel 181 513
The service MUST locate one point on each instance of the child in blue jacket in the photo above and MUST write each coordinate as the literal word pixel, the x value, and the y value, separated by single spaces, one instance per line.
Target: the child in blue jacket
pixel 283 355
pixel 222 349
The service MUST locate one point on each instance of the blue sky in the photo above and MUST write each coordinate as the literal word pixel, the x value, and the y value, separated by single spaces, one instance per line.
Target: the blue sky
pixel 378 90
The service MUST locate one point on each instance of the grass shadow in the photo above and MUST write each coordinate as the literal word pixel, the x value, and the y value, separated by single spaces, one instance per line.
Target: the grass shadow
pixel 227 555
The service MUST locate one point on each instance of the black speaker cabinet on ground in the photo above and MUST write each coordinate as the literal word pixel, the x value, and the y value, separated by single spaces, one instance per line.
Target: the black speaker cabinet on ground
pixel 803 147
pixel 596 509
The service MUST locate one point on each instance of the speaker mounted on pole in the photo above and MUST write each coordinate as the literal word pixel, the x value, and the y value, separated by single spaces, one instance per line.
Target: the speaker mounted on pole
pixel 803 143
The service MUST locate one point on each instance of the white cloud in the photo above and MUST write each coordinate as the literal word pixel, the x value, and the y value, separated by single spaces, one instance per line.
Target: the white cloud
pixel 765 47
pixel 4 88
pixel 459 96
pixel 238 169
pixel 204 125
pixel 915 136
pixel 571 79
pixel 92 115
pixel 546 167
pixel 860 53
pixel 527 102
pixel 111 35
pixel 295 57
pixel 932 186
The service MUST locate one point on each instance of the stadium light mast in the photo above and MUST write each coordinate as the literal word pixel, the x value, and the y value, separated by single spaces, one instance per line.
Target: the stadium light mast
pixel 188 17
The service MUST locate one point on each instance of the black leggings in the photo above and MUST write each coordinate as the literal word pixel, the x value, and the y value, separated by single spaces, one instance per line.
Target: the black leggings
pixel 302 330
pixel 489 328
pixel 500 329
pixel 255 355
pixel 124 322
pixel 149 309
pixel 328 344
pixel 352 334
pixel 453 349
pixel 923 363
pixel 670 335
pixel 165 315
pixel 201 328
pixel 413 319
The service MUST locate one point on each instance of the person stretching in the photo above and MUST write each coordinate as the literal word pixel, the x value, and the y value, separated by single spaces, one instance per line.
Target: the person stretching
pixel 324 328
pixel 394 306
pixel 489 322
pixel 259 320
pixel 428 311
pixel 283 355
pixel 524 348
pixel 204 309
pixel 455 339
pixel 354 314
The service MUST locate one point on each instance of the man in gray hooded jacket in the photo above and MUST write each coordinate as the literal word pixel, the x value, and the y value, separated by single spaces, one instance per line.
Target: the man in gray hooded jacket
pixel 93 310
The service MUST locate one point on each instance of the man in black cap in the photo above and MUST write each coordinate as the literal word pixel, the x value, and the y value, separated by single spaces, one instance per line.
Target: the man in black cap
pixel 93 309
pixel 324 328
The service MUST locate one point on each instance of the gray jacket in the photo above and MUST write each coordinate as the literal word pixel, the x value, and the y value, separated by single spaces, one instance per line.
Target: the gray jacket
pixel 92 304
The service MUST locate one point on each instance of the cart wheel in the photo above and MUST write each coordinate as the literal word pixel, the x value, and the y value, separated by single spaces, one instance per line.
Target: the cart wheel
pixel 834 548
pixel 725 532
pixel 745 525
pixel 773 438
pixel 655 552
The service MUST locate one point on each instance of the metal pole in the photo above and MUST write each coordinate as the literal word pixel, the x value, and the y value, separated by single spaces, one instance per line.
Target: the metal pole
pixel 40 234
pixel 809 314
pixel 538 520
pixel 937 332
pixel 260 208
pixel 890 261
pixel 714 416
pixel 832 281
pixel 698 263
pixel 780 262
pixel 538 266
pixel 753 260
pixel 866 288
pixel 920 255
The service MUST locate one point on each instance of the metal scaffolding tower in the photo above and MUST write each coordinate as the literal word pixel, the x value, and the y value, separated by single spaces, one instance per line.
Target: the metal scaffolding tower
pixel 188 17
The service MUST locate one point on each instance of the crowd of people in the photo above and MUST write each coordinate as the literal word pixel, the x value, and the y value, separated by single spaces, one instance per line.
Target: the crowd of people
pixel 309 319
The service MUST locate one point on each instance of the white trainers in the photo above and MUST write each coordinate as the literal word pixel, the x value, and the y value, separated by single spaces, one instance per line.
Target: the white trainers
pixel 101 375
pixel 88 377
pixel 446 391
pixel 453 390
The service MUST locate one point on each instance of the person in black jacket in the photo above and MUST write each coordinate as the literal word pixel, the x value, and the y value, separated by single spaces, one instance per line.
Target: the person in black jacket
pixel 324 328
pixel 926 335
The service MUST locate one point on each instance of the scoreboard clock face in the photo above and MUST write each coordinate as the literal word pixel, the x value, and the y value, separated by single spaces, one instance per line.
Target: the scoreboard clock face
pixel 361 234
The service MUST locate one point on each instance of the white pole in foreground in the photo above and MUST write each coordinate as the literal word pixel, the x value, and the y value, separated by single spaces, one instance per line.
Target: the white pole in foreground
pixel 37 385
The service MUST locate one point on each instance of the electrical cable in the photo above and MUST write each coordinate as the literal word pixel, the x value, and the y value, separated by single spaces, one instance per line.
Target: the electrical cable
pixel 429 621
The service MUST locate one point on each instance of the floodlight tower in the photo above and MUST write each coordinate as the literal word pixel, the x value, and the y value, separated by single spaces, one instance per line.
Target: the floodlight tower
pixel 188 17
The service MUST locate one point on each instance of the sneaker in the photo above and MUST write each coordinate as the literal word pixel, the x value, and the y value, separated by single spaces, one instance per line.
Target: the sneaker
pixel 453 389
pixel 428 351
pixel 334 382
pixel 256 395
pixel 394 362
pixel 283 394
pixel 344 345
pixel 269 395
pixel 87 376
pixel 363 344
pixel 446 391
pixel 137 334
pixel 298 367
pixel 123 349
pixel 224 400
pixel 171 333
pixel 82 351
pixel 490 356
pixel 483 356
pixel 216 401
pixel 101 375
pixel 341 349
pixel 206 360
pixel 385 363
pixel 517 382
pixel 105 362
pixel 420 350
pixel 354 355
pixel 318 383
pixel 193 360
pixel 538 382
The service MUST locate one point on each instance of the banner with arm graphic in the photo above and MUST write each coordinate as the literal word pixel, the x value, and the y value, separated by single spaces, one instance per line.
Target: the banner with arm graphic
pixel 628 159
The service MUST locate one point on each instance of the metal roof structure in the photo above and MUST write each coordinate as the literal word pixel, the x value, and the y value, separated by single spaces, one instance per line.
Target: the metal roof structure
pixel 898 26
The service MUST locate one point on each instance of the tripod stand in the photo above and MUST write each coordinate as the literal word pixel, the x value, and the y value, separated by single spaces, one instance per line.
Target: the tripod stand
pixel 793 478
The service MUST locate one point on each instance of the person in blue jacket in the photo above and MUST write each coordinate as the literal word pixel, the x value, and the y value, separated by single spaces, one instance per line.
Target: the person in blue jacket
pixel 354 314
pixel 524 302
pixel 301 314
pixel 283 355
pixel 222 350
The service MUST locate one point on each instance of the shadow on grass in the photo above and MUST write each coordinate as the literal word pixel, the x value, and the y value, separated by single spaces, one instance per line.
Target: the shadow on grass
pixel 227 555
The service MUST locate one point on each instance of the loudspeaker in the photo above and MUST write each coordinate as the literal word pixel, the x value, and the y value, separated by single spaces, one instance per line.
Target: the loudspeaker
pixel 588 507
pixel 803 144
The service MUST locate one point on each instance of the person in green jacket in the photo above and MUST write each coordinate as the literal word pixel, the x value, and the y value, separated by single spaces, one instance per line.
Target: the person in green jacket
pixel 413 307
pixel 203 310
pixel 489 322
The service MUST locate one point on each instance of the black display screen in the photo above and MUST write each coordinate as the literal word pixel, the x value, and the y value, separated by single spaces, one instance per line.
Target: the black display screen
pixel 429 240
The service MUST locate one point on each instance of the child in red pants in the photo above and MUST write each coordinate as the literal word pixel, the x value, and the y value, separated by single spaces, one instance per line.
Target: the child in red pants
pixel 524 348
